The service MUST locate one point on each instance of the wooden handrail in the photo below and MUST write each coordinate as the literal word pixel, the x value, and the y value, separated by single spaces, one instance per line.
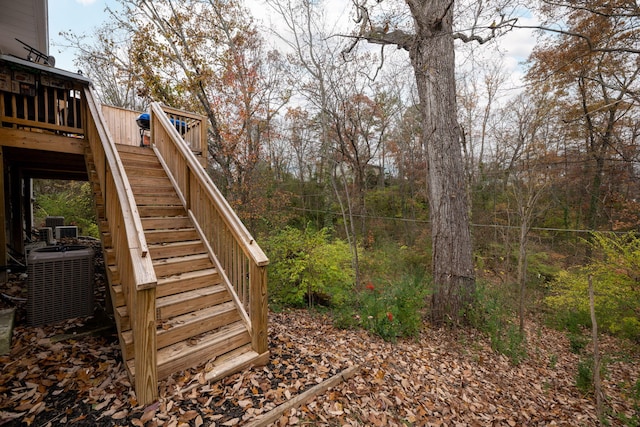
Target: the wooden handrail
pixel 135 231
pixel 233 222
pixel 137 275
pixel 233 250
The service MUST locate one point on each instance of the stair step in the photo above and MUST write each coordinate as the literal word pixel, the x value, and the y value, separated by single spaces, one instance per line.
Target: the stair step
pixel 122 318
pixel 113 274
pixel 135 174
pixel 235 361
pixel 186 302
pixel 140 156
pixel 189 325
pixel 171 236
pixel 170 266
pixel 133 149
pixel 159 211
pixel 140 162
pixel 153 187
pixel 166 223
pixel 185 282
pixel 117 296
pixel 157 199
pixel 208 351
pixel 186 354
pixel 176 249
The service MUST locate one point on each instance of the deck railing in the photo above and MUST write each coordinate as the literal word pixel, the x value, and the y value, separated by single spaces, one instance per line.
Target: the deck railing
pixel 192 127
pixel 137 276
pixel 52 105
pixel 237 256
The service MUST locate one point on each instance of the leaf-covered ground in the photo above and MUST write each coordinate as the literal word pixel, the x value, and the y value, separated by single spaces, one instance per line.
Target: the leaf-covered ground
pixel 52 378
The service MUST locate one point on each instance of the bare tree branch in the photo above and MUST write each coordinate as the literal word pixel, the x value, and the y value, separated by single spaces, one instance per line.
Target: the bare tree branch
pixel 592 48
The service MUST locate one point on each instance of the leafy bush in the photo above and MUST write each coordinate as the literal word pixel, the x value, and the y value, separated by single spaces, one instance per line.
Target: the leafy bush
pixel 615 276
pixel 71 199
pixel 390 311
pixel 584 376
pixel 391 262
pixel 307 267
pixel 491 314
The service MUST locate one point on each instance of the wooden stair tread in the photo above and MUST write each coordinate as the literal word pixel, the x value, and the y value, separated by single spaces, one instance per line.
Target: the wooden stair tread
pixel 235 361
pixel 135 149
pixel 176 265
pixel 171 236
pixel 166 223
pixel 157 199
pixel 173 249
pixel 188 281
pixel 183 355
pixel 159 211
pixel 192 294
pixel 189 325
pixel 176 260
pixel 193 300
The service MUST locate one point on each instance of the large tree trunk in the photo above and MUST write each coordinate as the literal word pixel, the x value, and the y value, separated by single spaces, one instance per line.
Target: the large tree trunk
pixel 432 57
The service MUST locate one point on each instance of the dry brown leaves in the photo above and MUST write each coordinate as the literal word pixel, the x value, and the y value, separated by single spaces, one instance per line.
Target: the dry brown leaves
pixel 441 379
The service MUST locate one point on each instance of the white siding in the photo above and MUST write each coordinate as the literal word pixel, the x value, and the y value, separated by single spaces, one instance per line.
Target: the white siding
pixel 26 20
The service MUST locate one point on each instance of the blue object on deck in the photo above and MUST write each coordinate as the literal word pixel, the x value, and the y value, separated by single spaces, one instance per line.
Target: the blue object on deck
pixel 144 119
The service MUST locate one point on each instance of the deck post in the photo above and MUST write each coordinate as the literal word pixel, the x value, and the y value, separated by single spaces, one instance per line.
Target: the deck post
pixel 145 347
pixel 258 308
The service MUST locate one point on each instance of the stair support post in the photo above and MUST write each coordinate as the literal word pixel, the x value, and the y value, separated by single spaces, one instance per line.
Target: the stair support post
pixel 258 308
pixel 143 315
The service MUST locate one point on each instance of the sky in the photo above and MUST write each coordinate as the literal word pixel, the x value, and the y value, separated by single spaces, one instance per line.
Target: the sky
pixel 84 16
pixel 77 16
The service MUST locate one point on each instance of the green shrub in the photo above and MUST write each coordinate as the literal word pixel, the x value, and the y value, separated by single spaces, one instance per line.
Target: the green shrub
pixel 71 199
pixel 491 314
pixel 307 267
pixel 392 310
pixel 577 342
pixel 584 376
pixel 390 261
pixel 615 274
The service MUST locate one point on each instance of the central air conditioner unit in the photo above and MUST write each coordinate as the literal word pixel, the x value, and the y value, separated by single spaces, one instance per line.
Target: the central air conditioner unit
pixel 60 284
pixel 66 231
pixel 54 221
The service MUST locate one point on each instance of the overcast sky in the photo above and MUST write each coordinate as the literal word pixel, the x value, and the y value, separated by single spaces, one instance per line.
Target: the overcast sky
pixel 83 16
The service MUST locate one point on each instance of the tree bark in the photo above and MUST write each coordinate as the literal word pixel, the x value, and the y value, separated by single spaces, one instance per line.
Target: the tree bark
pixel 432 58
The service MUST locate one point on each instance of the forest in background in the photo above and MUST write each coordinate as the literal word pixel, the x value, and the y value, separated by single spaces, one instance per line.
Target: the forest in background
pixel 319 141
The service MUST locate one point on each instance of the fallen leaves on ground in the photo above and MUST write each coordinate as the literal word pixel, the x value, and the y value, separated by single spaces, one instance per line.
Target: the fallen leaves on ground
pixel 445 378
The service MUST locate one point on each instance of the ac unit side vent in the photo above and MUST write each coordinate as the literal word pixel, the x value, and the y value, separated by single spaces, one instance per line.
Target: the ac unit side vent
pixel 46 235
pixel 60 284
pixel 66 231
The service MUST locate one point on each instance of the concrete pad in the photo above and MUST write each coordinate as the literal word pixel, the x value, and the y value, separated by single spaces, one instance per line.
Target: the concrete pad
pixel 6 329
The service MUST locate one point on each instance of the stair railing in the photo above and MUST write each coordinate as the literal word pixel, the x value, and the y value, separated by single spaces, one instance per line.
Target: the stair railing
pixel 240 261
pixel 134 264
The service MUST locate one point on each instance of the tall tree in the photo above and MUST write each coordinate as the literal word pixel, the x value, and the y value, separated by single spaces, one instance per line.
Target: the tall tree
pixel 207 56
pixel 429 40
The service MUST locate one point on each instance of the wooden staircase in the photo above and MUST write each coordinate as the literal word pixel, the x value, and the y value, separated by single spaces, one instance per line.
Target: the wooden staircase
pixel 187 281
pixel 197 319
